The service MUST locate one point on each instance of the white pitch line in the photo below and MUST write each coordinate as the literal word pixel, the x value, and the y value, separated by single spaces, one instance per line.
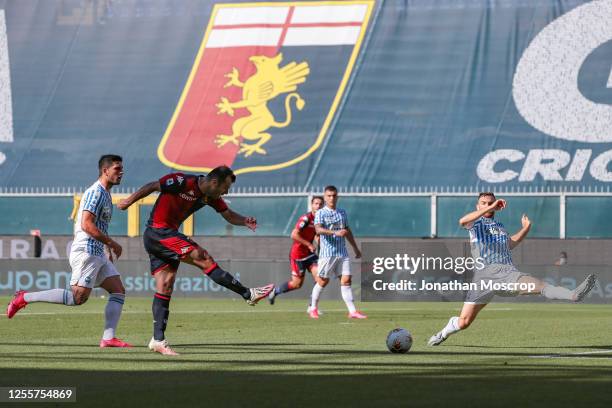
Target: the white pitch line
pixel 406 309
pixel 201 312
pixel 572 355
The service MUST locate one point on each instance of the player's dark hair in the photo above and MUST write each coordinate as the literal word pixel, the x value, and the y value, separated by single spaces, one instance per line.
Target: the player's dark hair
pixel 107 160
pixel 485 194
pixel 220 174
pixel 331 188
pixel 317 198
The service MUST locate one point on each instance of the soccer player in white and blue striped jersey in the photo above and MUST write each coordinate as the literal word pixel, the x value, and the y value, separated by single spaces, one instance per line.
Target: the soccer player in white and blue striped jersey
pixel 90 266
pixel 331 224
pixel 493 245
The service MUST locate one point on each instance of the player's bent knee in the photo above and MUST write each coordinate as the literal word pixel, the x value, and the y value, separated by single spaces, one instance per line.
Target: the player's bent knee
pixel 80 298
pixel 200 254
pixel 203 259
pixel 208 263
pixel 113 285
pixel 80 295
pixel 346 280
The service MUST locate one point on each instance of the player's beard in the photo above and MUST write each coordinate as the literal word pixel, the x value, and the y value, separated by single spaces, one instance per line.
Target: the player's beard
pixel 116 182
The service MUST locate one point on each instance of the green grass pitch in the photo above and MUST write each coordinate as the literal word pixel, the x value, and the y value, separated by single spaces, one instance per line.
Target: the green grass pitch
pixel 514 355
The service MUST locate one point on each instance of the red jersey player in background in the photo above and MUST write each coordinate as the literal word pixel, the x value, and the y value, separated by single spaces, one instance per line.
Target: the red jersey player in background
pixel 180 196
pixel 302 257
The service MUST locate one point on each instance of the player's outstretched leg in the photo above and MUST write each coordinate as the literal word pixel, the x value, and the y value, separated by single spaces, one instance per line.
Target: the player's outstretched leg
pixel 259 293
pixel 584 288
pixel 112 312
pixel 457 323
pixel 561 293
pixel 23 298
pixel 295 283
pixel 451 327
pixel 225 279
pixel 200 258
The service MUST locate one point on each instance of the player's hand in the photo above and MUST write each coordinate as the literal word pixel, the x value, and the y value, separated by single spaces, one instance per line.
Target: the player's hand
pixel 250 223
pixel 341 233
pixel 525 221
pixel 311 248
pixel 498 205
pixel 123 204
pixel 115 248
pixel 357 253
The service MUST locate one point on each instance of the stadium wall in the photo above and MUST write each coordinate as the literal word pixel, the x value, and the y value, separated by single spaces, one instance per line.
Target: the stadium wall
pixel 257 260
pixel 592 252
pixel 371 214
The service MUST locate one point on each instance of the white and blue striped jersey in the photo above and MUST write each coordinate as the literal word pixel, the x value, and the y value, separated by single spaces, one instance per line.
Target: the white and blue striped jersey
pixel 97 201
pixel 331 245
pixel 490 241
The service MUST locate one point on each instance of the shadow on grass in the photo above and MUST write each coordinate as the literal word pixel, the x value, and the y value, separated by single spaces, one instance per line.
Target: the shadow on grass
pixel 570 346
pixel 298 349
pixel 471 386
pixel 347 360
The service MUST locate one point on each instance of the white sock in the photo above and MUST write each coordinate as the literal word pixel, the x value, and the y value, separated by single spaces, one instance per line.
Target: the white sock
pixel 557 292
pixel 451 327
pixel 112 313
pixel 347 296
pixel 60 296
pixel 316 293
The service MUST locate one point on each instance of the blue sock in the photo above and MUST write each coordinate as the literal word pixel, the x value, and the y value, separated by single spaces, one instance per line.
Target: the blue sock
pixel 282 288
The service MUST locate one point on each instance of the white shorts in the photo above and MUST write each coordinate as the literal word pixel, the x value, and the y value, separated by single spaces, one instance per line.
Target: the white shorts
pixel 497 273
pixel 336 266
pixel 90 271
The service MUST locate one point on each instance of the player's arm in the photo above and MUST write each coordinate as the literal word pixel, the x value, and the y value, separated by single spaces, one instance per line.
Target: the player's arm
pixel 351 239
pixel 522 233
pixel 88 225
pixel 142 192
pixel 295 235
pixel 324 231
pixel 236 219
pixel 469 218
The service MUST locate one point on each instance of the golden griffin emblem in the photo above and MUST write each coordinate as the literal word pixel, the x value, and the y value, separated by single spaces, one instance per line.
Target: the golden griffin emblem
pixel 268 82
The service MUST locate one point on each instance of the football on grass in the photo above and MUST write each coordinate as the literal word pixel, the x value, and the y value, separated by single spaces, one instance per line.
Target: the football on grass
pixel 399 340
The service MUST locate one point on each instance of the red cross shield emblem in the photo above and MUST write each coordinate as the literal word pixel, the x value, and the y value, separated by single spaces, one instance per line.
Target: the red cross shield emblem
pixel 265 85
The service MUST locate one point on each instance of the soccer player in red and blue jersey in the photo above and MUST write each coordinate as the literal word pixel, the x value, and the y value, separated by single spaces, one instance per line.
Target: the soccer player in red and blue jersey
pixel 302 256
pixel 180 196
